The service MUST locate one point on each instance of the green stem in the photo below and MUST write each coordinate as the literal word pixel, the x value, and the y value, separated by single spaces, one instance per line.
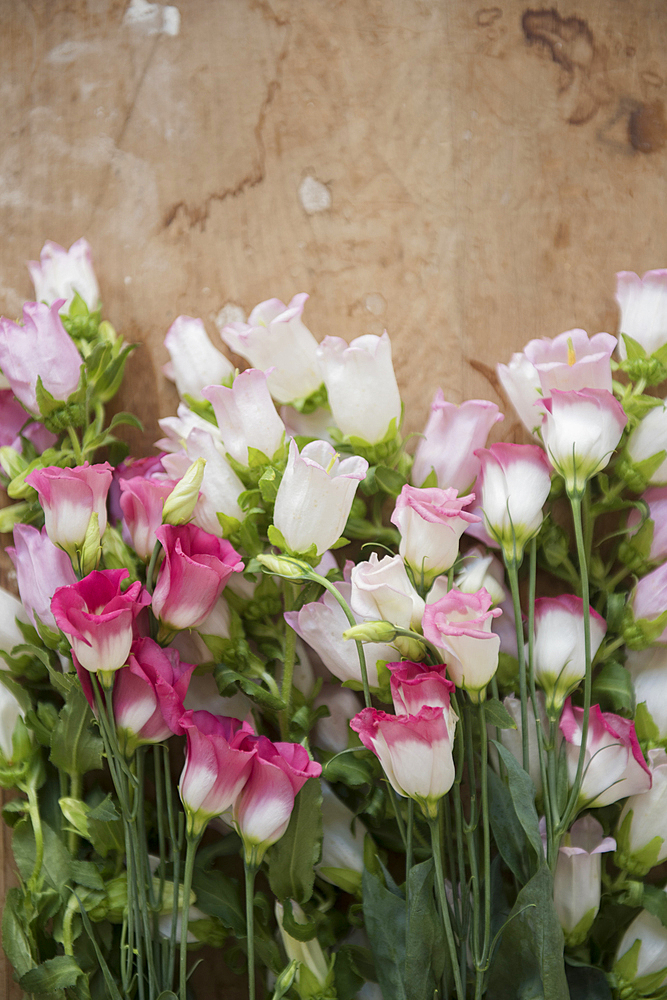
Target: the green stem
pixel 289 657
pixel 513 574
pixel 76 786
pixel 393 795
pixel 444 907
pixel 190 853
pixel 486 834
pixel 408 851
pixel 322 580
pixel 71 910
pixel 36 820
pixel 250 870
pixel 76 447
pixel 150 572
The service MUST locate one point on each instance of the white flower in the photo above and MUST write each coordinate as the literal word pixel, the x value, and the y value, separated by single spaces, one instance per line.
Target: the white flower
pixel 381 590
pixel 479 569
pixel 643 305
pixel 340 847
pixel 10 634
pixel 648 439
pixel 220 487
pixel 10 710
pixel 178 428
pixel 246 416
pixel 60 273
pixel 578 876
pixel 559 644
pixel 648 669
pixel 643 952
pixel 641 833
pixel 195 362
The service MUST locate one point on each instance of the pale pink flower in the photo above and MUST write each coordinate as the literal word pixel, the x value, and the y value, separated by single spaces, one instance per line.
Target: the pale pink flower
pixel 643 305
pixel 431 522
pixel 581 430
pixel 69 498
pixel 656 498
pixel 60 273
pixel 578 877
pixel 41 568
pixel 13 419
pixel 460 624
pixel 246 416
pixel 40 348
pixel 195 362
pixel 451 437
pixel 512 486
pixel 381 590
pixel 559 644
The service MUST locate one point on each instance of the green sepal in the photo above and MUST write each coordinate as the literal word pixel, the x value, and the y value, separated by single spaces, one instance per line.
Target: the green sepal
pixel 276 538
pixel 345 878
pixel 638 475
pixel 389 480
pixel 202 407
pixel 613 689
pixel 636 862
pixel 579 933
pixel 308 404
pixel 430 481
pixel 269 483
pixel 647 731
pixel 625 968
pixel 634 551
pixel 230 525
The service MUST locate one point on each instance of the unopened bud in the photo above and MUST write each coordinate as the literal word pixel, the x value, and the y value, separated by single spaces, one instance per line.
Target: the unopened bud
pixel 372 632
pixel 180 504
pixel 91 548
pixel 292 569
pixel 12 462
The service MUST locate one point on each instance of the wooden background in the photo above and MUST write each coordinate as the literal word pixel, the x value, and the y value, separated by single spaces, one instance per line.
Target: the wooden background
pixel 466 177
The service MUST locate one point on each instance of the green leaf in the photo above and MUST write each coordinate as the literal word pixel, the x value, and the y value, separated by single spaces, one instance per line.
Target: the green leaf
pixel 15 933
pixel 522 791
pixel 218 896
pixel 385 920
pixel 299 931
pixel 56 864
pixel 497 715
pixel 613 689
pixel 55 974
pixel 352 767
pixel 113 992
pixel 655 901
pixel 587 983
pixel 425 945
pixel 347 978
pixel 389 480
pixel 508 832
pixel 75 746
pixel 125 418
pixel 294 856
pixel 85 873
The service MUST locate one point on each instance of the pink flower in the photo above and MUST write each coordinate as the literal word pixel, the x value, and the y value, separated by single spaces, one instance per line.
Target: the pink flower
pixel 431 522
pixel 246 416
pixel 40 569
pixel 133 468
pixel 98 618
pixel 581 430
pixel 69 498
pixel 194 571
pixel 381 590
pixel 263 808
pixel 195 362
pixel 60 273
pixel 141 501
pixel 217 766
pixel 39 348
pixel 513 485
pixel 559 644
pixel 415 752
pixel 570 361
pixel 415 686
pixel 614 766
pixel 656 498
pixel 451 437
pixel 12 420
pixel 461 625
pixel 643 305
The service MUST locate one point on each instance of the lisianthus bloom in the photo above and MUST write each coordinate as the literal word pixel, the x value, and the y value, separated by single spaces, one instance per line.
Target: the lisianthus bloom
pixel 569 361
pixel 415 752
pixel 342 839
pixel 276 340
pixel 98 618
pixel 141 501
pixel 581 429
pixel 559 645
pixel 414 686
pixel 648 604
pixel 648 441
pixel 656 498
pixel 461 625
pixel 217 766
pixel 481 569
pixel 512 486
pixel 640 967
pixel 431 522
pixel 246 415
pixel 614 765
pixel 361 385
pixel 195 362
pixel 69 497
pixel 577 878
pixel 193 573
pixel 381 590
pixel 12 420
pixel 643 305
pixel 451 437
pixel 512 739
pixel 41 568
pixel 641 833
pixel 60 273
pixel 40 348
pixel 648 669
pixel 315 496
pixel 264 805
pixel 219 489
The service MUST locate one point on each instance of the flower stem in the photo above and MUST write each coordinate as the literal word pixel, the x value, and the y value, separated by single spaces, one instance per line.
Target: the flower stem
pixel 408 851
pixel 289 656
pixel 76 447
pixel 250 871
pixel 150 572
pixel 190 853
pixel 322 580
pixel 513 574
pixel 484 791
pixel 36 820
pixel 444 907
pixel 73 836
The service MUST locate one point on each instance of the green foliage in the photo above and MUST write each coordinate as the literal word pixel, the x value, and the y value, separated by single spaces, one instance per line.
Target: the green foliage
pixel 292 860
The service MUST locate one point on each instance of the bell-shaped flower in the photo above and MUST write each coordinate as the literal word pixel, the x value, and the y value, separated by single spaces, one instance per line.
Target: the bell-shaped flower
pixel 641 832
pixel 415 686
pixel 569 361
pixel 647 605
pixel 263 808
pixel 559 660
pixel 578 877
pixel 195 362
pixel 10 713
pixel 415 752
pixel 217 766
pixel 332 732
pixel 315 496
pixel 512 739
pixel 317 424
pixel 40 348
pixel 361 386
pixel 10 634
pixel 461 625
pixel 13 426
pixel 512 487
pixel 321 624
pixel 178 428
pixel 648 669
pixel 381 590
pixel 150 467
pixel 98 618
pixel 141 502
pixel 195 569
pixel 247 417
pixel 451 437
pixel 656 499
pixel 60 273
pixel 69 498
pixel 276 340
pixel 41 568
pixel 481 569
pixel 640 967
pixel 220 488
pixel 431 522
pixel 647 444
pixel 614 765
pixel 581 429
pixel 314 975
pixel 643 305
pixel 342 840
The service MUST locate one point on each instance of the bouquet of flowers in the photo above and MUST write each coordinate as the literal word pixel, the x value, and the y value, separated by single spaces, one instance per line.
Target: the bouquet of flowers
pixel 287 690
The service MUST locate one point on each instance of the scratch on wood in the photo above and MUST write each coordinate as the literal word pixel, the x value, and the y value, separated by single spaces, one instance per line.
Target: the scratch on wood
pixel 488 373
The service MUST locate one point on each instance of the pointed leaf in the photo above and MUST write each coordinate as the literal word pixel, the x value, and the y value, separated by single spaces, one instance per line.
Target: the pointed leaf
pixel 293 858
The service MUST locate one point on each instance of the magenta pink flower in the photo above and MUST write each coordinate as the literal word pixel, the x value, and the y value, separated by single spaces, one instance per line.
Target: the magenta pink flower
pixel 431 522
pixel 133 468
pixel 141 501
pixel 614 766
pixel 217 766
pixel 194 571
pixel 263 808
pixel 41 347
pixel 40 569
pixel 451 437
pixel 461 625
pixel 12 420
pixel 415 686
pixel 98 618
pixel 415 752
pixel 69 498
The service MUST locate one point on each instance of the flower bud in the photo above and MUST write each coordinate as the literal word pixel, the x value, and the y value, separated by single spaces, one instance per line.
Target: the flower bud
pixel 291 569
pixel 180 504
pixel 91 549
pixel 308 954
pixel 371 632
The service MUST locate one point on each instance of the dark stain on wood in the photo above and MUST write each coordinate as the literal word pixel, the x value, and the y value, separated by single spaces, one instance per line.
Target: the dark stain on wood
pixel 647 128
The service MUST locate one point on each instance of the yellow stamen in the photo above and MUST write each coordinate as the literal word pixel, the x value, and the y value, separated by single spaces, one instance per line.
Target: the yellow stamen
pixel 334 459
pixel 571 356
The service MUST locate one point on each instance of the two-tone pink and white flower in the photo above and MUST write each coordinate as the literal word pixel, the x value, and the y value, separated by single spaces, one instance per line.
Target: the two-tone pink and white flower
pixel 195 362
pixel 40 348
pixel 431 522
pixel 246 416
pixel 276 340
pixel 361 386
pixel 41 568
pixel 460 624
pixel 581 430
pixel 141 503
pixel 559 660
pixel 578 877
pixel 315 496
pixel 60 273
pixel 451 437
pixel 415 686
pixel 648 604
pixel 415 752
pixel 512 487
pixel 69 498
pixel 614 766
pixel 382 591
pixel 643 306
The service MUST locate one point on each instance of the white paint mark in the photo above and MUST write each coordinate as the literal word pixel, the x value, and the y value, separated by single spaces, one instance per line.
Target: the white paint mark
pixel 153 18
pixel 375 303
pixel 230 313
pixel 314 196
pixel 128 279
pixel 68 52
